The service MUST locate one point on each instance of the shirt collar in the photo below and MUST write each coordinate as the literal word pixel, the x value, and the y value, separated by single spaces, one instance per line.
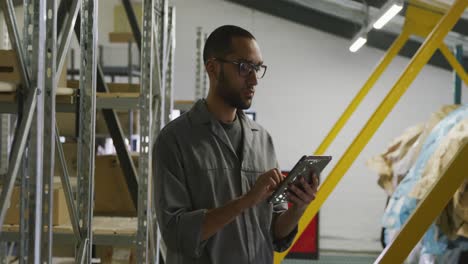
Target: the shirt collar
pixel 200 115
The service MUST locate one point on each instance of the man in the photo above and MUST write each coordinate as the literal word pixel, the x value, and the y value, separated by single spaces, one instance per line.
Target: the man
pixel 214 168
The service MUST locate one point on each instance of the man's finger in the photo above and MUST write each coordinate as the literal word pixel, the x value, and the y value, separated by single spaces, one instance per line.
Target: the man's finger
pixel 299 193
pixel 279 175
pixel 307 187
pixel 272 183
pixel 276 176
pixel 294 199
pixel 315 181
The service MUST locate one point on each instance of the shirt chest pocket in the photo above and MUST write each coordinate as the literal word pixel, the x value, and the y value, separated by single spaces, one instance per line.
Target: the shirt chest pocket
pixel 209 155
pixel 253 172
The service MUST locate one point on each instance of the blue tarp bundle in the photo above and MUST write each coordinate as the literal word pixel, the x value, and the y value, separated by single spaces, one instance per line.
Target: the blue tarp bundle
pixel 401 206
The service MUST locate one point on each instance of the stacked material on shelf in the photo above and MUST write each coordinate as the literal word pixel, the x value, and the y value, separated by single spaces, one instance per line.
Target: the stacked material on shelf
pixel 9 71
pixel 10 75
pixel 402 204
pixel 60 211
pixel 112 194
pixel 7 87
pixel 67 121
pixel 116 255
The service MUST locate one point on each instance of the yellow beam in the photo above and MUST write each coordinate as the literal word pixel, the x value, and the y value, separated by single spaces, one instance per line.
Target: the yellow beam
pixel 436 6
pixel 420 20
pixel 423 55
pixel 454 63
pixel 381 67
pixel 427 211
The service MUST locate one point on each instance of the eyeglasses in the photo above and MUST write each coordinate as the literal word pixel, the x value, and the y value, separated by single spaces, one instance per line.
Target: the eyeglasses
pixel 245 68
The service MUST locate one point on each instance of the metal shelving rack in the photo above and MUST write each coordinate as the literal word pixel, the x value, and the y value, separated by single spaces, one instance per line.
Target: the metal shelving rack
pixel 201 78
pixel 40 58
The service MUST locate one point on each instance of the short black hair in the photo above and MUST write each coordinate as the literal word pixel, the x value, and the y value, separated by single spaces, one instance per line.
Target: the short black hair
pixel 219 43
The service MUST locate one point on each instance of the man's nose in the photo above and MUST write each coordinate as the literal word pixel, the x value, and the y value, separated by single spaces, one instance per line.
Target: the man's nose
pixel 252 78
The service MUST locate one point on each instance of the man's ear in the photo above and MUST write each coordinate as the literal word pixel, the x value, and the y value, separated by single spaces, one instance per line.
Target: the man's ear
pixel 212 69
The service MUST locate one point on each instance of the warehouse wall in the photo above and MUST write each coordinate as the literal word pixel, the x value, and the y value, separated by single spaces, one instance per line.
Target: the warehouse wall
pixel 310 80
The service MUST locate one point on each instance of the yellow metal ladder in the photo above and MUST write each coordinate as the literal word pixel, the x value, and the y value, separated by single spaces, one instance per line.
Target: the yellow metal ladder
pixel 420 21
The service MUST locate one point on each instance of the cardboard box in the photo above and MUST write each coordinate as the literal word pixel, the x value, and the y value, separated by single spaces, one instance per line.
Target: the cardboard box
pixel 121 23
pixel 116 255
pixel 9 70
pixel 101 126
pixel 70 150
pixel 111 192
pixel 63 251
pixel 67 126
pixel 121 37
pixel 113 87
pixel 60 213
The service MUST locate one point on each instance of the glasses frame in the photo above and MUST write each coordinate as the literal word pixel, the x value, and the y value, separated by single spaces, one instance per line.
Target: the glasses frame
pixel 254 67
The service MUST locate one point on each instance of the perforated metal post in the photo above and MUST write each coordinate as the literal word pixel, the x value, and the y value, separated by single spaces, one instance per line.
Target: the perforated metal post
pixel 147 62
pixel 204 73
pixel 25 180
pixel 163 57
pixel 25 117
pixel 158 69
pixel 169 93
pixel 49 127
pixel 130 81
pixel 160 12
pixel 35 15
pixel 86 140
pixel 199 65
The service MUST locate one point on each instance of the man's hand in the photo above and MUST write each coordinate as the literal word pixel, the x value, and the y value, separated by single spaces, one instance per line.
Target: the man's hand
pixel 217 218
pixel 264 186
pixel 302 195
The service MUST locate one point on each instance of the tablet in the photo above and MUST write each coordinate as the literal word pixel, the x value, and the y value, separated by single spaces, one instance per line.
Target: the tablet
pixel 303 168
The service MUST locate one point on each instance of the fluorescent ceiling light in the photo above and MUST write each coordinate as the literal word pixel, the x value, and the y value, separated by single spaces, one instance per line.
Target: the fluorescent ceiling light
pixel 358 42
pixel 388 14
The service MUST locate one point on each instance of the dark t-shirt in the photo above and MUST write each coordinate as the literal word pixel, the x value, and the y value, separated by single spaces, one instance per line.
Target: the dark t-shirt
pixel 234 132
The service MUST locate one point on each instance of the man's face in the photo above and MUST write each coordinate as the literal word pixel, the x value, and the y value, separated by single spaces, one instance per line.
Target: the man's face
pixel 236 90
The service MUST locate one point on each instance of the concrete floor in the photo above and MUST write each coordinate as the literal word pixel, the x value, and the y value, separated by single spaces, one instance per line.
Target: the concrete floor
pixel 337 258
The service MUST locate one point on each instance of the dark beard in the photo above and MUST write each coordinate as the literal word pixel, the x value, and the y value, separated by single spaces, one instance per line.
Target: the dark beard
pixel 229 95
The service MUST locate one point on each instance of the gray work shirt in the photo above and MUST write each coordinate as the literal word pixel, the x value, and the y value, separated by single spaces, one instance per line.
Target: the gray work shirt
pixel 195 169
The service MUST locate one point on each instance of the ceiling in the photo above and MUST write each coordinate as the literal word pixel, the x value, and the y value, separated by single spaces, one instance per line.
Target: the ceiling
pixel 344 18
